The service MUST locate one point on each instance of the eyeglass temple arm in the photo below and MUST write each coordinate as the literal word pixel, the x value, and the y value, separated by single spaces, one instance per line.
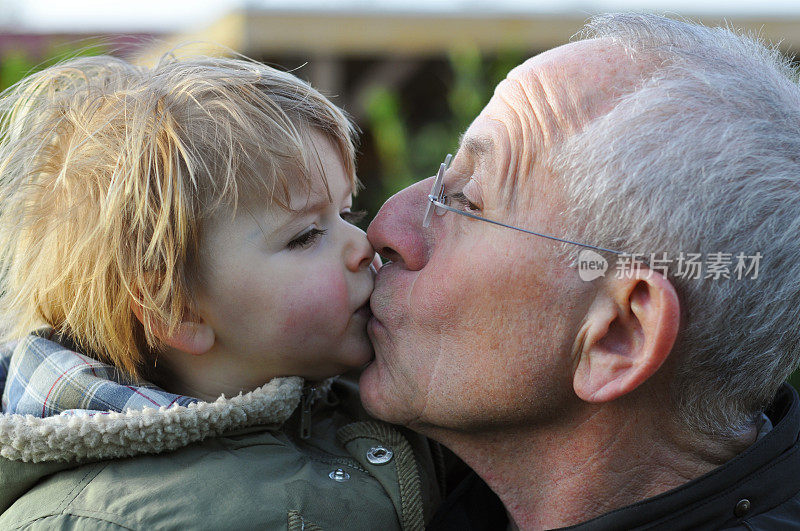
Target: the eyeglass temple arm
pixel 463 213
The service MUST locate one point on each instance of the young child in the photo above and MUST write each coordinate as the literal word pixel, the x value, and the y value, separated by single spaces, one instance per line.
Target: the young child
pixel 182 279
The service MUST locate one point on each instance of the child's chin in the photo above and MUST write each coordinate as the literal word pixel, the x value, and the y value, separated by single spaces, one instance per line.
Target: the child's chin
pixel 360 356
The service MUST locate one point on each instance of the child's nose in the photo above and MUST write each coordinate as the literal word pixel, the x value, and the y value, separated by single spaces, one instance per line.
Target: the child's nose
pixel 360 253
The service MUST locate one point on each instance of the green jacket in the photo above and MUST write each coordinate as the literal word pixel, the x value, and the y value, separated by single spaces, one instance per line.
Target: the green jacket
pixel 237 463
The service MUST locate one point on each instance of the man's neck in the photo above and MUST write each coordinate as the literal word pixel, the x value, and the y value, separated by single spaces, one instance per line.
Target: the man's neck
pixel 567 476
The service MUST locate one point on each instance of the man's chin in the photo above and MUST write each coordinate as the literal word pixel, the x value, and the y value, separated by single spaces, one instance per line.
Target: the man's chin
pixel 374 392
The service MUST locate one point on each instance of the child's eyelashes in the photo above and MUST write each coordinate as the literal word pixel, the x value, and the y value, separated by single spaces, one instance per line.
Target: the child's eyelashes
pixel 311 235
pixel 305 239
pixel 354 217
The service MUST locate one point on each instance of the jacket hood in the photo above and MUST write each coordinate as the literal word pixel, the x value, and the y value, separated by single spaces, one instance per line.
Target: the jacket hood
pixel 33 447
pixel 148 430
pixel 77 431
pixel 69 428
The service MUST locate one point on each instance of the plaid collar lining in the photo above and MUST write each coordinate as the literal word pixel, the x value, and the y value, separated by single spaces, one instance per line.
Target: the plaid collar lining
pixel 43 378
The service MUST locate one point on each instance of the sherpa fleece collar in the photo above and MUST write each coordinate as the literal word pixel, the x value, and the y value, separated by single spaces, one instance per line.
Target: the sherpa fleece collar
pixel 80 434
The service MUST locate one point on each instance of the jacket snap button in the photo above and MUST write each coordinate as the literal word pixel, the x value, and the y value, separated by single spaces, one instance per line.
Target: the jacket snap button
pixel 339 475
pixel 742 508
pixel 378 455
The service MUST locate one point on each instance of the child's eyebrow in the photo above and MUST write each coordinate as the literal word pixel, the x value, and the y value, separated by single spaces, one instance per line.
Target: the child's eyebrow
pixel 314 204
pixel 279 225
pixel 319 202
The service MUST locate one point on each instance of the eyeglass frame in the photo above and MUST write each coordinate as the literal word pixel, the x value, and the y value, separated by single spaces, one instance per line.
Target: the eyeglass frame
pixel 437 197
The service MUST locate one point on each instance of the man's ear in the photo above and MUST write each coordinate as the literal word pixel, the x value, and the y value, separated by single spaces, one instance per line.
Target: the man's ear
pixel 192 335
pixel 628 333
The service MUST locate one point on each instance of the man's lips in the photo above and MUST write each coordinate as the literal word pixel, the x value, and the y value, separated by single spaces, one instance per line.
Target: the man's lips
pixel 375 327
pixel 379 282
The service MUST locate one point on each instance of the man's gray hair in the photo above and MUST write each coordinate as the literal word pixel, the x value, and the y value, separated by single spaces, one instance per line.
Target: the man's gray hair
pixel 703 156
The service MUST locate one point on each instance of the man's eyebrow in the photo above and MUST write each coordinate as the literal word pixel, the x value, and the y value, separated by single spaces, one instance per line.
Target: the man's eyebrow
pixel 476 146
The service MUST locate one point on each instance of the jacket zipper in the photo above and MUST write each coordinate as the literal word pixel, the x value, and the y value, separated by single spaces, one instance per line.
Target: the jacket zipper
pixel 305 411
pixel 306 405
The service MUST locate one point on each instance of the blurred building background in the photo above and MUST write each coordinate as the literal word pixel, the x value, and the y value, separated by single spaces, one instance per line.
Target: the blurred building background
pixel 411 74
pixel 412 79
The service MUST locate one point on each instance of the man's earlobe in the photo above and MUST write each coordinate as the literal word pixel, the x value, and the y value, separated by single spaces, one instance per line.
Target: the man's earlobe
pixel 627 335
pixel 192 337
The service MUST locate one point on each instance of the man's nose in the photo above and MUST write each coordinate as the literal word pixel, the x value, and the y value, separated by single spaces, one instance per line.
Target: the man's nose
pixel 397 233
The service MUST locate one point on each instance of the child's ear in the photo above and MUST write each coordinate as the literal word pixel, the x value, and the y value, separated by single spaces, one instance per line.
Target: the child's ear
pixel 191 336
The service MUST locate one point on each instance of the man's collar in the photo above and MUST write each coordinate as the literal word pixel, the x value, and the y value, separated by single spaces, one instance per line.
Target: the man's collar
pixel 765 475
pixel 711 501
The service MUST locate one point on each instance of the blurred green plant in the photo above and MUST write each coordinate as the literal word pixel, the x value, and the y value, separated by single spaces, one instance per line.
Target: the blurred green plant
pixel 14 66
pixel 17 64
pixel 389 133
pixel 406 154
pixel 794 379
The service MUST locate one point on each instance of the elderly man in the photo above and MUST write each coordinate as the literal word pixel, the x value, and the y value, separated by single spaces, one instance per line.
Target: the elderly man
pixel 651 395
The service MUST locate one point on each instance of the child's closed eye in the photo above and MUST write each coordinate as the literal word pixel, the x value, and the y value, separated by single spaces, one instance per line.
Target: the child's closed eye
pixel 306 238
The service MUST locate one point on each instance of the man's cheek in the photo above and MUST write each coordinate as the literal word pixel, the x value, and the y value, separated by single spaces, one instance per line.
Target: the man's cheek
pixel 445 297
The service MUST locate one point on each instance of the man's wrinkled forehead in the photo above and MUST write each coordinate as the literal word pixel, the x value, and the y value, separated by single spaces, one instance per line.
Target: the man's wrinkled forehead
pixel 541 102
pixel 568 86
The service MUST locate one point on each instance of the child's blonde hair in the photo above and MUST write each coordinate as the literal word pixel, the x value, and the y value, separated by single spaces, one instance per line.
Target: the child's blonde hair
pixel 107 171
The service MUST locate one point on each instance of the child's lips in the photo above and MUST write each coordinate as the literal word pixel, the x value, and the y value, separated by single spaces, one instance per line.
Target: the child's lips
pixel 364 311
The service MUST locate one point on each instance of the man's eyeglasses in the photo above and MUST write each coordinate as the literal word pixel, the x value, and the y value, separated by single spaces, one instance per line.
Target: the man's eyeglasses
pixel 437 202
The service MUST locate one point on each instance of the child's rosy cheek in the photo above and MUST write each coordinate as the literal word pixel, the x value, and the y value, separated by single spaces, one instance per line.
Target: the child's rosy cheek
pixel 318 303
pixel 331 291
